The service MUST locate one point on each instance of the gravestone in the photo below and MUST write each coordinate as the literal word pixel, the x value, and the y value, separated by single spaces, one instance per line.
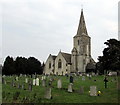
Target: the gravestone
pixel 93 74
pixel 16 78
pixel 83 78
pixel 22 86
pixel 26 80
pixel 42 78
pixel 87 75
pixel 30 86
pixel 20 75
pixel 70 87
pixel 5 82
pixel 81 75
pixel 34 82
pixel 93 91
pixel 48 93
pixel 50 82
pixel 59 84
pixel 12 83
pixel 37 81
pixel 90 76
pixel 81 91
pixel 43 83
pixel 18 86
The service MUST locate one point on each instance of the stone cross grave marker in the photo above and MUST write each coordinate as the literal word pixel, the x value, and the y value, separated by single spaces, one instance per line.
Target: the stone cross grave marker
pixel 70 87
pixel 34 82
pixel 93 91
pixel 59 84
pixel 48 93
pixel 37 81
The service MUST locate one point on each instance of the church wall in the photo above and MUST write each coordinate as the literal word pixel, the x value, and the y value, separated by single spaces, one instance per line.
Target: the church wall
pixel 49 70
pixel 62 70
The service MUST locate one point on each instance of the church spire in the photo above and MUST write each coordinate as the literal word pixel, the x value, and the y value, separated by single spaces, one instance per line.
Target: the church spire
pixel 82 26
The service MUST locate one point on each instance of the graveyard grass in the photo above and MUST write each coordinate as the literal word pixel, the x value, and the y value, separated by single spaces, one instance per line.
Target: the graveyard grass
pixel 109 95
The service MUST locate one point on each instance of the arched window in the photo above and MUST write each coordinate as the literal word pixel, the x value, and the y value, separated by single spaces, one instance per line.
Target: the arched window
pixel 49 65
pixel 59 63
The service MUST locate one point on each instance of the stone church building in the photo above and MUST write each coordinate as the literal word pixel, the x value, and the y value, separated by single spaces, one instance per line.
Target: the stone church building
pixel 80 58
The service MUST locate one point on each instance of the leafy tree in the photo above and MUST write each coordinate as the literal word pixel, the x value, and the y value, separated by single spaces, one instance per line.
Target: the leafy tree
pixel 9 66
pixel 22 65
pixel 111 57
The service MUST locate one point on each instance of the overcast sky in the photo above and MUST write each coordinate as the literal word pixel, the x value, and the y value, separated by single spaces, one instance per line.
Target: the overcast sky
pixel 41 27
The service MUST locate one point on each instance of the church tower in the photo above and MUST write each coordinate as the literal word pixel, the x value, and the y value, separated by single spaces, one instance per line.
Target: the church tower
pixel 81 52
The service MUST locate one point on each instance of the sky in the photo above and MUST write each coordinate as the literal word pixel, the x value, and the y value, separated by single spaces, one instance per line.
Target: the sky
pixel 41 27
pixel 119 20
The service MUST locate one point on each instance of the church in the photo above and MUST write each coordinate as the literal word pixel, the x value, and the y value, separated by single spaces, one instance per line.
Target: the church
pixel 80 58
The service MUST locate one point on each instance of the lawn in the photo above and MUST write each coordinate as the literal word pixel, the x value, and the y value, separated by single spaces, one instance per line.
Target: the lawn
pixel 108 95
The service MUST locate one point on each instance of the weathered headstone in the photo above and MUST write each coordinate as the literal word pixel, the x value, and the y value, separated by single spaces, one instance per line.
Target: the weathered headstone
pixel 44 77
pixel 50 82
pixel 93 91
pixel 34 82
pixel 22 86
pixel 26 80
pixel 37 81
pixel 83 78
pixel 30 86
pixel 18 86
pixel 20 75
pixel 43 83
pixel 87 75
pixel 12 83
pixel 81 91
pixel 93 74
pixel 16 78
pixel 59 84
pixel 90 76
pixel 48 93
pixel 80 74
pixel 70 87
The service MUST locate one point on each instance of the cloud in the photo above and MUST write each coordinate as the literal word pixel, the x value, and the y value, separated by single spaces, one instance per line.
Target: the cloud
pixel 41 27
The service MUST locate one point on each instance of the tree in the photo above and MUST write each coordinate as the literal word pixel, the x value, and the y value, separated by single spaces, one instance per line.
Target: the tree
pixel 9 66
pixel 22 65
pixel 111 56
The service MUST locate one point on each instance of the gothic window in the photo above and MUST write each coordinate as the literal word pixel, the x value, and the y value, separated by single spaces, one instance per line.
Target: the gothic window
pixel 59 64
pixel 49 65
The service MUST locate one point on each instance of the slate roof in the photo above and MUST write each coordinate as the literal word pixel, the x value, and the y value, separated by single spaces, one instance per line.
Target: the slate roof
pixel 53 56
pixel 67 57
